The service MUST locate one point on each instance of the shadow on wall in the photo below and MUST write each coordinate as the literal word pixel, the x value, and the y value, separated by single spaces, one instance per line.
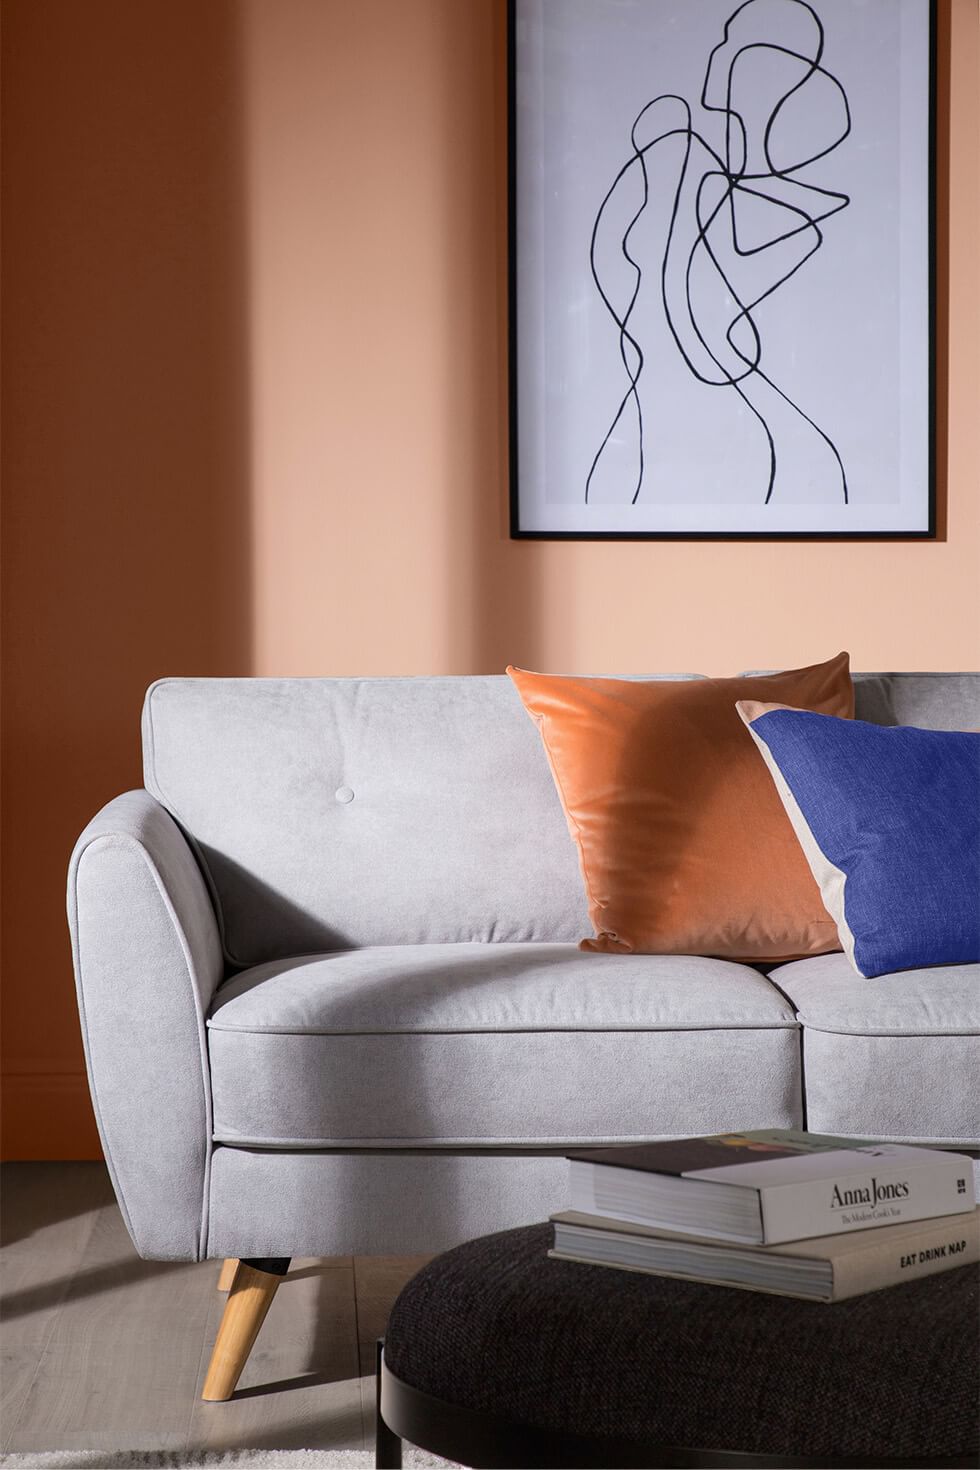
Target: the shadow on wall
pixel 127 542
pixel 495 588
pixel 127 462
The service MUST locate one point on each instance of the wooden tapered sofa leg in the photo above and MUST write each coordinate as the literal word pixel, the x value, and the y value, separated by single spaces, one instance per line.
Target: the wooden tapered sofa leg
pixel 249 1298
pixel 227 1276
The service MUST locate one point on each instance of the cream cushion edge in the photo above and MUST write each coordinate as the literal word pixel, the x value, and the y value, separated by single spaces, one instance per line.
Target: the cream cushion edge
pixel 830 879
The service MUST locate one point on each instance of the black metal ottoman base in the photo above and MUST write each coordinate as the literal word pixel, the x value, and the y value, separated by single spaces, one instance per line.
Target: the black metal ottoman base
pixel 486 1442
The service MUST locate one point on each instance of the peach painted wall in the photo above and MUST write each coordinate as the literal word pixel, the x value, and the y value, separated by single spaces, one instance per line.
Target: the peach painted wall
pixel 255 410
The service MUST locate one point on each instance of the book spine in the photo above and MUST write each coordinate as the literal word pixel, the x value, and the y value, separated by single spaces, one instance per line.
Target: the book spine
pixel 886 1193
pixel 925 1252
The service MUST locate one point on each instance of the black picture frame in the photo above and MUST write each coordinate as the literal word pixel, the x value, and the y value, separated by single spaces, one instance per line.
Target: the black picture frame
pixel 519 410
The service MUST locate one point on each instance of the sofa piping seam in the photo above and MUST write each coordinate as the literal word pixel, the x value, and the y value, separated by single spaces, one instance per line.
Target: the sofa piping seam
pixel 895 1035
pixel 515 1148
pixel 414 1143
pixel 617 1030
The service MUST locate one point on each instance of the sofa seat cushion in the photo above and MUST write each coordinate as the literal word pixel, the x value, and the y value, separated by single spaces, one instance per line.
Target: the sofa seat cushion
pixel 497 1045
pixel 828 995
pixel 895 1057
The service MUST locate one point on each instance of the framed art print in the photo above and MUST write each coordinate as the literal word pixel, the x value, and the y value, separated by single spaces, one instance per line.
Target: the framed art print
pixel 721 253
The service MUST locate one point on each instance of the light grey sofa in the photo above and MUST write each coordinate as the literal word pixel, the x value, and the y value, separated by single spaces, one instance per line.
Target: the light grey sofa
pixel 332 1002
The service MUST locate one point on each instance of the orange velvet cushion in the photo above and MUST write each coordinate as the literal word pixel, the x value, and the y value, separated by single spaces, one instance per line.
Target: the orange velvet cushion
pixel 683 841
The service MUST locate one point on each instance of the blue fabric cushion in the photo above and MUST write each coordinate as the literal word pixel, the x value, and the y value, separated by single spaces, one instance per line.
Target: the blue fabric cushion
pixel 889 819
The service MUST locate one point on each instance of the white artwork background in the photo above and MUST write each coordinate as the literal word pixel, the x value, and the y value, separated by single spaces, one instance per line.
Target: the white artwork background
pixel 845 339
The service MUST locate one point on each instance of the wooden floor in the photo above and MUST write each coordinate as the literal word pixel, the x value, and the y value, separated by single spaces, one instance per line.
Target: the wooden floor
pixel 100 1350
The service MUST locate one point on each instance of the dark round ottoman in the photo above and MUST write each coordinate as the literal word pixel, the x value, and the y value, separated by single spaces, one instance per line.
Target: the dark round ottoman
pixel 496 1355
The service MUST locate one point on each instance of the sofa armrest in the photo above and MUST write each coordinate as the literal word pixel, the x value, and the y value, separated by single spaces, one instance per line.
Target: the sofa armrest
pixel 147 956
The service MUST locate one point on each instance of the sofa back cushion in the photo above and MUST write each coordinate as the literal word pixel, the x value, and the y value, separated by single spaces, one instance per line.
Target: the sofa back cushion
pixel 932 701
pixel 333 813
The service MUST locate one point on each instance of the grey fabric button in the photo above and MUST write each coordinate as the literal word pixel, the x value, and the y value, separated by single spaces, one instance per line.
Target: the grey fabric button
pixel 344 793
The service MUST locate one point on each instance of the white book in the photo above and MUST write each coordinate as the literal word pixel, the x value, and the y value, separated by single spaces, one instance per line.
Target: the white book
pixel 827 1269
pixel 762 1187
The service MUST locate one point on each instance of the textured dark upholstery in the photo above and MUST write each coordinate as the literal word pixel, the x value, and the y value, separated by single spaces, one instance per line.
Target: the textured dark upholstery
pixel 496 1326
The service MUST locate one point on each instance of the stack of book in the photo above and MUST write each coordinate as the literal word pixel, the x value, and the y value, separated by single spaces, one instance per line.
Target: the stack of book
pixel 798 1214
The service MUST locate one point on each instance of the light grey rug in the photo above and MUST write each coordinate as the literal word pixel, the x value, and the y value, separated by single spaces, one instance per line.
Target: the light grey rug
pixel 203 1460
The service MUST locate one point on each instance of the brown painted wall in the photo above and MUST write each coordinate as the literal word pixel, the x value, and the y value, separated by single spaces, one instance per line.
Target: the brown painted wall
pixel 254 406
pixel 125 455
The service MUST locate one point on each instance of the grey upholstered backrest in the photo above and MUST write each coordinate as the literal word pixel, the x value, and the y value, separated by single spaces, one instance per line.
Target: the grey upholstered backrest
pixel 330 813
pixel 933 701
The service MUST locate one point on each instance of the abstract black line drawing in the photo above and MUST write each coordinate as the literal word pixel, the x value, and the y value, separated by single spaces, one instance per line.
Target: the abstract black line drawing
pixel 721 269
pixel 770 53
